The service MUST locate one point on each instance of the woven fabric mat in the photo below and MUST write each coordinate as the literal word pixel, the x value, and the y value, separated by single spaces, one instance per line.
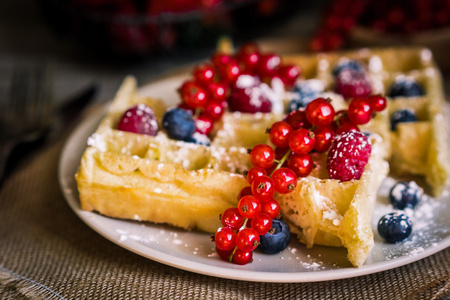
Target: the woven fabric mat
pixel 47 252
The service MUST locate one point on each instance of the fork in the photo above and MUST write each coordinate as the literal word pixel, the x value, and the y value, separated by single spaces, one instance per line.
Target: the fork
pixel 26 110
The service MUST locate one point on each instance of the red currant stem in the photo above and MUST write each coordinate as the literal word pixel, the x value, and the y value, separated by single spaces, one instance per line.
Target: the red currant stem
pixel 230 258
pixel 282 160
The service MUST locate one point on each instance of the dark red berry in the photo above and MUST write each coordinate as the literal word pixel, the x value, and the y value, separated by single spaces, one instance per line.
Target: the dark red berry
pixel 285 180
pixel 359 111
pixel 279 134
pixel 139 119
pixel 254 172
pixel 377 102
pixel 232 218
pixel 249 207
pixel 193 95
pixel 242 257
pixel 320 112
pixel 225 238
pixel 302 141
pixel 271 208
pixel 301 164
pixel 262 155
pixel 323 135
pixel 263 188
pixel 297 119
pixel 204 74
pixel 247 239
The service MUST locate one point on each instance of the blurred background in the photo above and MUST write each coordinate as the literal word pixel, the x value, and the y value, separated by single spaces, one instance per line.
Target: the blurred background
pixel 101 41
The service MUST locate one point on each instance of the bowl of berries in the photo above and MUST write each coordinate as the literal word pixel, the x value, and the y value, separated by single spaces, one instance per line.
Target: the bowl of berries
pixel 149 27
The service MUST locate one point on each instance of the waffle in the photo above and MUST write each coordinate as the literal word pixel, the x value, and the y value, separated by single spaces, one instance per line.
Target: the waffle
pixel 131 176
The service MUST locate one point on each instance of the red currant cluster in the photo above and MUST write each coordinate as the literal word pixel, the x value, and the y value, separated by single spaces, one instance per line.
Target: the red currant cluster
pixel 206 95
pixel 276 171
pixel 384 16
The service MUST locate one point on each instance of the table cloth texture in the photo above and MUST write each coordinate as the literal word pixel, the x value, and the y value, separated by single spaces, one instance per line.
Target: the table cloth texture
pixel 47 252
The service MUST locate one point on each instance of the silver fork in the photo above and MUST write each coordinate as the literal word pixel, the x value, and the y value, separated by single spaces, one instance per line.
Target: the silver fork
pixel 26 111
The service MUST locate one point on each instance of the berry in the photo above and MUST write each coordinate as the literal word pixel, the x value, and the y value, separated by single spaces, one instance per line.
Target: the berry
pixel 193 95
pixel 377 102
pixel 263 188
pixel 230 71
pixel 262 155
pixel 297 119
pixel 406 87
pixel 249 207
pixel 203 124
pixel 347 64
pixel 204 74
pixel 301 164
pixel 346 127
pixel 271 208
pixel 402 116
pixel 219 60
pixel 323 136
pixel 279 134
pixel 359 111
pixel 277 239
pixel 405 194
pixel 247 239
pixel 178 124
pixel 304 92
pixel 285 180
pixel 248 55
pixel 242 257
pixel 218 91
pixel 244 192
pixel 232 218
pixel 262 223
pixel 224 254
pixel 348 155
pixel 199 138
pixel 254 172
pixel 250 96
pixel 302 141
pixel 268 65
pixel 394 227
pixel 213 111
pixel 139 119
pixel 225 238
pixel 320 112
pixel 352 84
pixel 288 74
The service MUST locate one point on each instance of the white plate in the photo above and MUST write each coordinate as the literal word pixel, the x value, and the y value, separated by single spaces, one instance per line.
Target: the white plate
pixel 194 252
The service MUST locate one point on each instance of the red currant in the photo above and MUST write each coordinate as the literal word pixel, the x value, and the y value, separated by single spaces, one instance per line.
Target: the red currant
pixel 248 55
pixel 285 180
pixel 262 155
pixel 359 111
pixel 288 74
pixel 244 192
pixel 320 112
pixel 301 164
pixel 297 119
pixel 377 102
pixel 204 74
pixel 219 60
pixel 302 141
pixel 225 238
pixel 193 94
pixel 230 71
pixel 348 126
pixel 268 65
pixel 263 188
pixel 213 111
pixel 262 223
pixel 247 239
pixel 255 172
pixel 323 135
pixel 203 124
pixel 242 257
pixel 272 208
pixel 224 254
pixel 249 207
pixel 232 218
pixel 279 134
pixel 219 91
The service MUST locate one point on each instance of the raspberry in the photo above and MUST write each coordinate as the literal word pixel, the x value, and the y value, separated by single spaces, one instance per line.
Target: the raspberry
pixel 348 155
pixel 352 84
pixel 139 119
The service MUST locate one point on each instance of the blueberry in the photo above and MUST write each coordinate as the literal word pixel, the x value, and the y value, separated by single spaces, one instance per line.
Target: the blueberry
pixel 405 194
pixel 345 64
pixel 178 124
pixel 198 138
pixel 394 227
pixel 305 92
pixel 402 116
pixel 277 239
pixel 406 87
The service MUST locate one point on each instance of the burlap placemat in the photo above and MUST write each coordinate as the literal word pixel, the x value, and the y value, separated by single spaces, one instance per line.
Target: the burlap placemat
pixel 47 252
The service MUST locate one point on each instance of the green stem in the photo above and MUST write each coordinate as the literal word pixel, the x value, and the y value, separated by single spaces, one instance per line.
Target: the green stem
pixel 282 160
pixel 230 258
